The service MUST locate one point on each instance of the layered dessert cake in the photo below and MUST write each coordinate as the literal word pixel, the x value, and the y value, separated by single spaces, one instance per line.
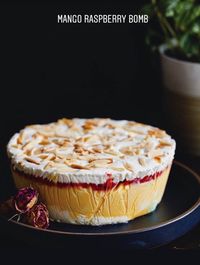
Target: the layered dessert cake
pixel 93 171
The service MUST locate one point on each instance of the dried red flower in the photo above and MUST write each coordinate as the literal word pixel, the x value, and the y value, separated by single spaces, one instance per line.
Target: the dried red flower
pixel 38 216
pixel 25 199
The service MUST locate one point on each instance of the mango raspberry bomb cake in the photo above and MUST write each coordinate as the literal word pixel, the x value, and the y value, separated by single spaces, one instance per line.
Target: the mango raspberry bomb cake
pixel 93 171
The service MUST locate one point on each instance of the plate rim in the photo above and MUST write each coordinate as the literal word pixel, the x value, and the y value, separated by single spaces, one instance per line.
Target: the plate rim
pixel 136 231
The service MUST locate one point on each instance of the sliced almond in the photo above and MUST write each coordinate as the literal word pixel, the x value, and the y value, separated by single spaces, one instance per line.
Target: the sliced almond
pixel 68 122
pixel 142 161
pixel 49 149
pixel 46 156
pixel 107 160
pixel 110 126
pixel 97 149
pixel 88 127
pixel 15 145
pixel 128 166
pixel 28 145
pixel 59 154
pixel 101 162
pixel 78 166
pixel 118 169
pixel 102 121
pixel 28 152
pixel 47 132
pixel 80 150
pixel 163 144
pixel 132 123
pixel 19 139
pixel 71 156
pixel 149 146
pixel 59 141
pixel 157 133
pixel 44 140
pixel 90 124
pixel 110 152
pixel 59 160
pixel 155 153
pixel 128 150
pixel 51 157
pixel 43 156
pixel 36 151
pixel 33 160
pixel 134 130
pixel 91 139
pixel 158 158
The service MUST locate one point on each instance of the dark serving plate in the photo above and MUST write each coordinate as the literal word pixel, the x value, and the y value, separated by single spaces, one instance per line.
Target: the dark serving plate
pixel 178 212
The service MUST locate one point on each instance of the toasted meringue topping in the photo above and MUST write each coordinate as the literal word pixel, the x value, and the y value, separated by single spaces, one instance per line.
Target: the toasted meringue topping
pixel 90 150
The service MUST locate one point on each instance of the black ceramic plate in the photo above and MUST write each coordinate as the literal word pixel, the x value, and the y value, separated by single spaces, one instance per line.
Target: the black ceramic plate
pixel 178 212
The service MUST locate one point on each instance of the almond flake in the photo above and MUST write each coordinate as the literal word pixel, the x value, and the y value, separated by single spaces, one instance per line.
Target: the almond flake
pixel 154 153
pixel 68 122
pixel 19 139
pixel 33 160
pixel 110 152
pixel 78 166
pixel 80 150
pixel 46 156
pixel 157 158
pixel 28 145
pixel 16 146
pixel 157 133
pixel 149 146
pixel 88 127
pixel 128 166
pixel 128 150
pixel 37 151
pixel 101 162
pixel 117 168
pixel 44 141
pixel 110 126
pixel 163 144
pixel 142 161
pixel 43 156
pixel 97 149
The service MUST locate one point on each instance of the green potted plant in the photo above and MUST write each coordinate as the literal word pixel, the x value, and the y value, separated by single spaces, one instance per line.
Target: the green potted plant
pixel 174 31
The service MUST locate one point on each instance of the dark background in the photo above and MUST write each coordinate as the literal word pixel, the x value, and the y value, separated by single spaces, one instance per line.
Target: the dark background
pixel 51 70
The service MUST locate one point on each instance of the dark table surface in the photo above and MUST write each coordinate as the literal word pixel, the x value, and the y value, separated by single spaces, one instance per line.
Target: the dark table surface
pixel 190 241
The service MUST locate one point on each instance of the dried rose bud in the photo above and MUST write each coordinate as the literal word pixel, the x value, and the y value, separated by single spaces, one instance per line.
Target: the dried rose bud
pixel 25 199
pixel 38 216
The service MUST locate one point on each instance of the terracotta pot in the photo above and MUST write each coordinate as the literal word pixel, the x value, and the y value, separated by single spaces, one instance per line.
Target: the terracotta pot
pixel 181 80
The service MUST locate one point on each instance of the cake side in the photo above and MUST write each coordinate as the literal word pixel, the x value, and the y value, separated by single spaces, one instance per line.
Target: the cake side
pixel 86 205
pixel 93 171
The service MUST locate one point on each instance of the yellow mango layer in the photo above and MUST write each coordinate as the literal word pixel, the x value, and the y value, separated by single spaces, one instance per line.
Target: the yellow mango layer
pixel 88 206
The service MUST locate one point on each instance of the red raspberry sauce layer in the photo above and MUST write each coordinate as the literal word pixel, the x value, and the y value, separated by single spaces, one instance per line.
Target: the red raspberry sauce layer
pixel 109 184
